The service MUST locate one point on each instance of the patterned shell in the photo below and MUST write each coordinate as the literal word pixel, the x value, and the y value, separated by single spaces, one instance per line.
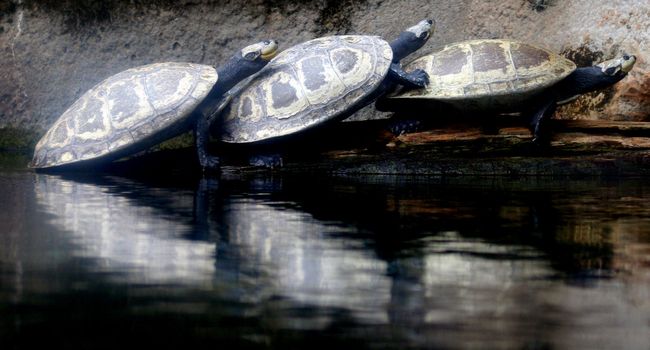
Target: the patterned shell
pixel 137 107
pixel 306 85
pixel 488 72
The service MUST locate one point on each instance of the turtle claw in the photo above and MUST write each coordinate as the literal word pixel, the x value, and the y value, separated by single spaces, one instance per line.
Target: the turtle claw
pixel 415 79
pixel 404 126
pixel 418 78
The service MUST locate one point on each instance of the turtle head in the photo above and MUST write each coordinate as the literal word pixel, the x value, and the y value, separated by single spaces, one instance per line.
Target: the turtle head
pixel 254 57
pixel 245 63
pixel 412 39
pixel 618 66
pixel 599 76
pixel 250 59
pixel 262 51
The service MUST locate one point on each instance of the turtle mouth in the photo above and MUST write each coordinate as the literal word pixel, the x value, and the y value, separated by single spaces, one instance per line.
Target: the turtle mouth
pixel 628 63
pixel 269 50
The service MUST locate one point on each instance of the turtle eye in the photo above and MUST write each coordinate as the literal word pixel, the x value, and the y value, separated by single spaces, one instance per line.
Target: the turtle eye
pixel 251 56
pixel 611 70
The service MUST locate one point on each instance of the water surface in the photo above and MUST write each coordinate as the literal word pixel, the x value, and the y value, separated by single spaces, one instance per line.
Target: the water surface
pixel 303 261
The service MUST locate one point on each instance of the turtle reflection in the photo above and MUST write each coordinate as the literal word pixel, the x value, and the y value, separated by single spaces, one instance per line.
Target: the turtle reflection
pixel 419 262
pixel 398 217
pixel 343 244
pixel 107 224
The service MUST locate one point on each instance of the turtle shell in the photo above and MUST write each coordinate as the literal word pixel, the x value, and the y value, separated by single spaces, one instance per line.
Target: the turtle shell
pixel 306 85
pixel 488 73
pixel 131 110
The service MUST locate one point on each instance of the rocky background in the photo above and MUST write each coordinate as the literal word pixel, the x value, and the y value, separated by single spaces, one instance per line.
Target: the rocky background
pixel 52 51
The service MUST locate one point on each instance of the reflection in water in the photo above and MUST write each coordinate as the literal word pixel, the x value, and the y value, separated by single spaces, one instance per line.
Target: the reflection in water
pixel 286 262
pixel 122 235
pixel 292 249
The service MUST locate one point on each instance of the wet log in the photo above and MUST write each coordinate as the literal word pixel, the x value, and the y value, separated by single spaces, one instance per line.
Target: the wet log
pixel 578 148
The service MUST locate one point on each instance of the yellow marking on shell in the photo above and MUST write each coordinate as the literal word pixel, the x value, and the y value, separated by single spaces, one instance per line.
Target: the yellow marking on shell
pixel 360 71
pixel 67 157
pixel 282 112
pixel 287 68
pixel 328 89
pixel 509 79
pixel 50 141
pixel 506 72
pixel 164 98
pixel 93 150
pixel 207 79
pixel 242 136
pixel 124 139
pixel 99 116
pixel 253 112
pixel 114 112
pixel 139 111
pixel 352 39
pixel 261 134
pixel 268 132
pixel 319 44
pixel 387 53
pixel 449 84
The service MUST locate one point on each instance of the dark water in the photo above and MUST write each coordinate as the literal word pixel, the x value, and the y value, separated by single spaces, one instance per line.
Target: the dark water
pixel 308 262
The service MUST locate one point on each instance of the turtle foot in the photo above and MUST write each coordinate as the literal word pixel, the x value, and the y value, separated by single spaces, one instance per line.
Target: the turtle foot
pixel 415 79
pixel 405 126
pixel 418 78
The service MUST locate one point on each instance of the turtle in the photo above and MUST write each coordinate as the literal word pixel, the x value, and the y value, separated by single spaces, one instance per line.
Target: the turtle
pixel 143 106
pixel 501 75
pixel 317 82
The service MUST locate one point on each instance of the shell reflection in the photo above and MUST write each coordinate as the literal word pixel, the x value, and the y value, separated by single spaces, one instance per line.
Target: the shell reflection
pixel 303 262
pixel 123 236
pixel 427 264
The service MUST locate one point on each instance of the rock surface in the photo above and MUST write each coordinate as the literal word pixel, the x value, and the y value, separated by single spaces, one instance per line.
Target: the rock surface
pixel 56 50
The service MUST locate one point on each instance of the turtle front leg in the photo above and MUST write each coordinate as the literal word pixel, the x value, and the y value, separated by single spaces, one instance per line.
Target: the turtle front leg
pixel 202 137
pixel 418 78
pixel 415 79
pixel 540 119
pixel 406 123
